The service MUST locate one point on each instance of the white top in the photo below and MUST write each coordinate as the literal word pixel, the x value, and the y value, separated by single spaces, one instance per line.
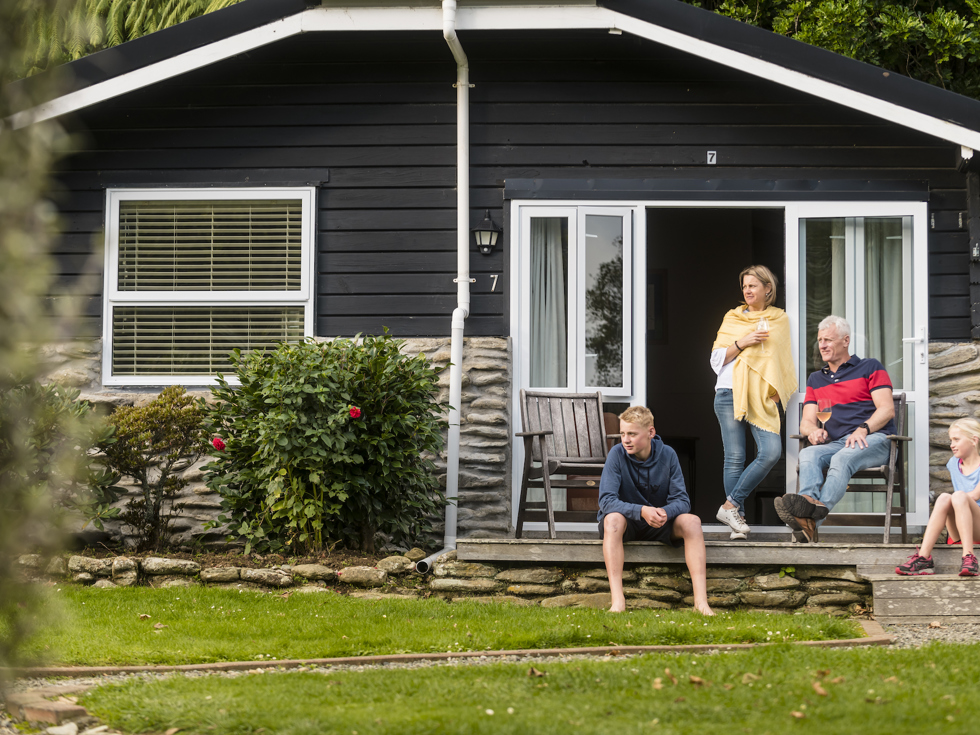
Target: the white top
pixel 723 371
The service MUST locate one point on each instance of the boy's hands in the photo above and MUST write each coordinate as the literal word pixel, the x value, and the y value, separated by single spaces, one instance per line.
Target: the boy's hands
pixel 655 517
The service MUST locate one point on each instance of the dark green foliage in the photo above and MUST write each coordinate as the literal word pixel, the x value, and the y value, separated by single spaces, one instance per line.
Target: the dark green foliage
pixel 936 41
pixel 154 444
pixel 299 469
pixel 57 433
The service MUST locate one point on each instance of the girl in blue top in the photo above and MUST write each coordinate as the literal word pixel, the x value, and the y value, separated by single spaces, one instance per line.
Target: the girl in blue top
pixel 958 511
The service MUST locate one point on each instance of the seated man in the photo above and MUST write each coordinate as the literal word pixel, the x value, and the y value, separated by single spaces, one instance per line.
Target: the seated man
pixel 855 436
pixel 642 497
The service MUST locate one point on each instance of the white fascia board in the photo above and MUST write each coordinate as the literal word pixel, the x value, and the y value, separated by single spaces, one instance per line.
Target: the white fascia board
pixel 161 70
pixel 802 82
pixel 504 17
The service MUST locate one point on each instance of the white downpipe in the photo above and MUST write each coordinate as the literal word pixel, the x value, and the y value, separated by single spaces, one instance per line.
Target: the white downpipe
pixel 462 309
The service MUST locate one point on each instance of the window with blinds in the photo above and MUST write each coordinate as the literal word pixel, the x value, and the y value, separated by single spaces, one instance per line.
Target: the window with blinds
pixel 248 245
pixel 193 274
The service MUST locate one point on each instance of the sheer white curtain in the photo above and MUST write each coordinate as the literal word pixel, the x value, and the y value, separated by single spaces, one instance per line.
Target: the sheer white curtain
pixel 884 309
pixel 549 304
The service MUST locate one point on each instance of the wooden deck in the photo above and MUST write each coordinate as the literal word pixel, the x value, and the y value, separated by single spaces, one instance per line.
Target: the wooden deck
pixel 873 556
pixel 943 597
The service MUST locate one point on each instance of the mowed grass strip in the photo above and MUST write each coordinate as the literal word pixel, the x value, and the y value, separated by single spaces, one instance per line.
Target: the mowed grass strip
pixel 202 625
pixel 778 689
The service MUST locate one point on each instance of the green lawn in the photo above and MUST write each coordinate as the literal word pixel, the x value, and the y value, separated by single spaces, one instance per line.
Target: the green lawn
pixel 196 625
pixel 773 689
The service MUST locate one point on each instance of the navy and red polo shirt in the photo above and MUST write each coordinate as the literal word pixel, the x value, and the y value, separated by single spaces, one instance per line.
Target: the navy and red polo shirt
pixel 849 389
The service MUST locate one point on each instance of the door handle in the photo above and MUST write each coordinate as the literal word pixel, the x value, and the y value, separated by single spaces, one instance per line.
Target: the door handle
pixel 920 340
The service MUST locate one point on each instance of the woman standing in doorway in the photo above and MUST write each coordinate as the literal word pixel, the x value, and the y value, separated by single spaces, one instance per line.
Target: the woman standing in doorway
pixel 754 363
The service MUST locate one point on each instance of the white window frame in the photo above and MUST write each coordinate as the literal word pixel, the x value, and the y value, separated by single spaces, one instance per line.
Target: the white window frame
pixel 113 297
pixel 575 216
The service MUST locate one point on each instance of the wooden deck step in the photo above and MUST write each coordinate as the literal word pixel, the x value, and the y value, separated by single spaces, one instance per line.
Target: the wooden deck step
pixel 945 598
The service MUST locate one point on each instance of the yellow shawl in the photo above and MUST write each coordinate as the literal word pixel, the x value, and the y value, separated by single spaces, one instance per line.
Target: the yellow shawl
pixel 760 371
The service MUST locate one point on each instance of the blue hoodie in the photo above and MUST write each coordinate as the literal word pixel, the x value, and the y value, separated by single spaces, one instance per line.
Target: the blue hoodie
pixel 628 484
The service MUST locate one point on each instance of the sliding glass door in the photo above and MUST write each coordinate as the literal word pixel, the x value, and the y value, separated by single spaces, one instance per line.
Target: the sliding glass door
pixel 867 264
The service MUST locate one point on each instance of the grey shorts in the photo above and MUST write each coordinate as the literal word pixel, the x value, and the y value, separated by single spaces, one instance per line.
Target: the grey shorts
pixel 642 531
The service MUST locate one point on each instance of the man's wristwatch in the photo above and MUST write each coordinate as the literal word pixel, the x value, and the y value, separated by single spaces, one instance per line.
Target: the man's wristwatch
pixel 865 427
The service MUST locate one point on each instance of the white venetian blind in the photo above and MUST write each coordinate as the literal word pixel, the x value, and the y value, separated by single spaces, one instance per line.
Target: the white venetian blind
pixel 195 340
pixel 230 245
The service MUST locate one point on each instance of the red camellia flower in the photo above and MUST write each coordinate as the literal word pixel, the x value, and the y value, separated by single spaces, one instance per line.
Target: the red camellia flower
pixel 218 444
pixel 355 412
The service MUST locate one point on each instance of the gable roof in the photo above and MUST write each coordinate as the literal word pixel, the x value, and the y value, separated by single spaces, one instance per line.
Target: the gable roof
pixel 255 23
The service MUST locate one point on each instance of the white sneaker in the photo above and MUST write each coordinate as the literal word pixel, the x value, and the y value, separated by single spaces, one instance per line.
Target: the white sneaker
pixel 731 518
pixel 736 536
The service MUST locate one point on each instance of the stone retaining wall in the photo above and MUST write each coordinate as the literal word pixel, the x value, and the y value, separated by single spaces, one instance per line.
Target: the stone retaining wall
pixel 954 392
pixel 485 429
pixel 825 589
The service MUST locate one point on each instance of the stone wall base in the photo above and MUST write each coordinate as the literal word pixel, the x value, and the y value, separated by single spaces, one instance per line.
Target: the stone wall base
pixel 829 590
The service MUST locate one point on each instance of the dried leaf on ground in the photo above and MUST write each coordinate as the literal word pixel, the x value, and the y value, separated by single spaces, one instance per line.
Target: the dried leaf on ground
pixel 658 683
pixel 534 672
pixel 160 626
pixel 798 715
pixel 819 689
pixel 144 616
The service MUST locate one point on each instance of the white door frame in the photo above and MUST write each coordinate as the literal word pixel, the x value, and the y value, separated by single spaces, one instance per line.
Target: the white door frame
pixel 522 209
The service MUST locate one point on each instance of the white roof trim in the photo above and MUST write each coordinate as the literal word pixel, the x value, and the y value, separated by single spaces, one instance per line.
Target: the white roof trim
pixel 507 17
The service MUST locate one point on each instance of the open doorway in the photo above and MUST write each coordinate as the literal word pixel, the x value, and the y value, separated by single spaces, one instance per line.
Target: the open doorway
pixel 694 256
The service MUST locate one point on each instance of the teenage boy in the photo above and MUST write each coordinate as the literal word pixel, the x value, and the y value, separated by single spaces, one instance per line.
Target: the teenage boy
pixel 642 497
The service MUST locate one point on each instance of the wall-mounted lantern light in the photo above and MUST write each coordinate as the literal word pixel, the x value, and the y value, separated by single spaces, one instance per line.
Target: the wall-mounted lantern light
pixel 486 234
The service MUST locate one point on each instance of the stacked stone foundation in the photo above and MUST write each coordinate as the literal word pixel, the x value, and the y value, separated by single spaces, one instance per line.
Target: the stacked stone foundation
pixel 834 590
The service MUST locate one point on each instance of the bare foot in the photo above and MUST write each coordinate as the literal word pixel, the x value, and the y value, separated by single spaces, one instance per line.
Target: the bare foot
pixel 618 606
pixel 702 607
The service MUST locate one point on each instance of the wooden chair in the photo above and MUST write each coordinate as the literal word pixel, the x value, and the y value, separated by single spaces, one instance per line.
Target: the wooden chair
pixel 892 475
pixel 563 435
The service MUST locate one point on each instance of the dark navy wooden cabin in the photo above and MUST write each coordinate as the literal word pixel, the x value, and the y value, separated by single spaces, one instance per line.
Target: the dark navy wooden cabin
pixel 678 143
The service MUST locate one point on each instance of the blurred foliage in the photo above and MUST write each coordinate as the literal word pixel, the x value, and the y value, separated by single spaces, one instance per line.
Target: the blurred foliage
pixel 60 434
pixel 27 222
pixel 65 30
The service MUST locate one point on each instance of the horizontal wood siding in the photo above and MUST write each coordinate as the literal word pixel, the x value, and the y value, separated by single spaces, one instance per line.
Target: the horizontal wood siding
pixel 372 117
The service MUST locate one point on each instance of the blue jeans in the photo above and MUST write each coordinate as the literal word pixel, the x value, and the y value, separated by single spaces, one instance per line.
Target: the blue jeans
pixel 740 480
pixel 841 463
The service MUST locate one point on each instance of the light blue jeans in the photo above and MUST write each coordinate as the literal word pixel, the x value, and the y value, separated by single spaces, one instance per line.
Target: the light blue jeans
pixel 841 463
pixel 740 480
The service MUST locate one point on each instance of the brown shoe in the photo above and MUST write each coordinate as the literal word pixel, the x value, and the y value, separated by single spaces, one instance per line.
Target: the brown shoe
pixel 784 513
pixel 808 527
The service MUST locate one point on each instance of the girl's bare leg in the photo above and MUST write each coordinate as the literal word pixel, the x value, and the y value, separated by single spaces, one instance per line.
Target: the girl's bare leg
pixel 942 515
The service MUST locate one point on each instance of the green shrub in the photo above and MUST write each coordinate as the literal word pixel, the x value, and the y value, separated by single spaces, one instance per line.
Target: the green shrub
pixel 327 441
pixel 153 445
pixel 56 435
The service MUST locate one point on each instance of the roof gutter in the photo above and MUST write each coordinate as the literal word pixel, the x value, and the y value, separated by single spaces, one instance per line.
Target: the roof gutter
pixel 463 279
